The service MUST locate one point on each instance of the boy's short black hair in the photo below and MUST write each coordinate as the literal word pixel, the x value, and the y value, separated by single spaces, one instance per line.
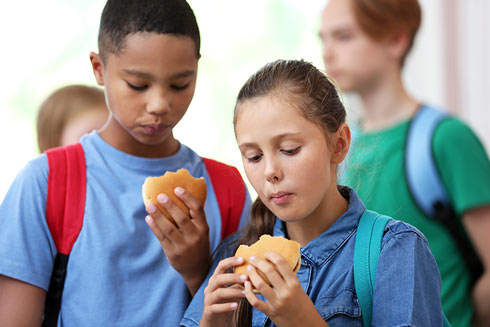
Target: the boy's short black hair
pixel 121 18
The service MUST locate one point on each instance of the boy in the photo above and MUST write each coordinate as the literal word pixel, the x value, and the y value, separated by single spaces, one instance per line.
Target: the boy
pixel 117 273
pixel 365 43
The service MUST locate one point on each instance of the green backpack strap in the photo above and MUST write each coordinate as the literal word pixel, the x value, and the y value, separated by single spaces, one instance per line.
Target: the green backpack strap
pixel 366 253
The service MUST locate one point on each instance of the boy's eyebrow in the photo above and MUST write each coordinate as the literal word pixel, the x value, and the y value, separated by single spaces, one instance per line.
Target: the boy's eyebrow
pixel 149 76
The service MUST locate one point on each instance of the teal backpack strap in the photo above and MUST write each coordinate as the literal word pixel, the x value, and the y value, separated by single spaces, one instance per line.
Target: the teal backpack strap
pixel 366 253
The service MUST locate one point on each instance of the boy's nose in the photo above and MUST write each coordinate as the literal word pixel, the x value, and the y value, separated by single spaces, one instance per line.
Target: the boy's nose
pixel 158 104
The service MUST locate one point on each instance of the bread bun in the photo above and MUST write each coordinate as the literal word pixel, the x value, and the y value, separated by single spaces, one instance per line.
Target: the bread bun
pixel 288 249
pixel 167 183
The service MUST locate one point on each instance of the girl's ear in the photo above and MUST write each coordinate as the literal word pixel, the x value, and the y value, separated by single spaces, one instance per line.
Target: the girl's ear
pixel 341 144
pixel 97 67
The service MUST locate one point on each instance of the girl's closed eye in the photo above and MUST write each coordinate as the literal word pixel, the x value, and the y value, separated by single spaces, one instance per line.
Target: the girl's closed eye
pixel 254 158
pixel 291 151
pixel 137 87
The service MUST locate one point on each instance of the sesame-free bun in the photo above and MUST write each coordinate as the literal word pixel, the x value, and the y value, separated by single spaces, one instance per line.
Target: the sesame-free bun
pixel 288 249
pixel 167 183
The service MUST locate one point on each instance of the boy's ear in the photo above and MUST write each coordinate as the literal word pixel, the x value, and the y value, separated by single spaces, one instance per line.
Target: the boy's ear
pixel 341 144
pixel 398 44
pixel 97 67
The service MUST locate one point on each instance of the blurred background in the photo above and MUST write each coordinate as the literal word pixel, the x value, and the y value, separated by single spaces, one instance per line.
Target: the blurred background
pixel 46 45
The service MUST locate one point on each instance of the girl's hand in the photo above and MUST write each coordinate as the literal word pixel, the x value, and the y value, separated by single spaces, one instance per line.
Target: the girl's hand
pixel 287 304
pixel 222 294
pixel 187 244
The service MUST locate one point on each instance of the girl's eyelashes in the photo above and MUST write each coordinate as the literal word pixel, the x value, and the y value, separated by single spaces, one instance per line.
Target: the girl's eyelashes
pixel 255 158
pixel 137 88
pixel 292 151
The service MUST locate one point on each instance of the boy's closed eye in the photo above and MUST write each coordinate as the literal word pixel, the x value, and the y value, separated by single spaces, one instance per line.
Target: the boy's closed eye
pixel 136 87
pixel 180 87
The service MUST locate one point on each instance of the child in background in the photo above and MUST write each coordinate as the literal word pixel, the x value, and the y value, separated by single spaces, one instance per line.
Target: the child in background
pixel 117 274
pixel 290 128
pixel 69 113
pixel 365 43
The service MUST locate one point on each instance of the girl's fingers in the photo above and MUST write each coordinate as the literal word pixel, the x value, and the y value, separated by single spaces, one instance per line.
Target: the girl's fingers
pixel 258 282
pixel 228 263
pixel 253 299
pixel 269 270
pixel 222 307
pixel 282 266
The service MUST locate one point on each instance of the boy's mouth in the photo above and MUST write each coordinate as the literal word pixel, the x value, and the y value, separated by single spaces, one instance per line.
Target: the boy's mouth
pixel 155 128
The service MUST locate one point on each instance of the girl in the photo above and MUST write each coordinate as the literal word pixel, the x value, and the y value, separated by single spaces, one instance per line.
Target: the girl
pixel 290 128
pixel 69 113
pixel 365 44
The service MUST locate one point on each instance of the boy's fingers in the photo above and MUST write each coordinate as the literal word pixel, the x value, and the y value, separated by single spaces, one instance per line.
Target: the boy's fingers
pixel 174 211
pixel 168 230
pixel 196 209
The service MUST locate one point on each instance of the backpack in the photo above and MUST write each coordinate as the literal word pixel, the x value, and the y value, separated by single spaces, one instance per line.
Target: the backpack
pixel 65 207
pixel 366 253
pixel 426 187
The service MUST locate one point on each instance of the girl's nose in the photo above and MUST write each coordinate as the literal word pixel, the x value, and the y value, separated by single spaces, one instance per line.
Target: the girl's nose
pixel 273 172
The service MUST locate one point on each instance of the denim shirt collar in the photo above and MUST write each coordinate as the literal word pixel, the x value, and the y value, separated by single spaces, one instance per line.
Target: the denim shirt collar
pixel 324 246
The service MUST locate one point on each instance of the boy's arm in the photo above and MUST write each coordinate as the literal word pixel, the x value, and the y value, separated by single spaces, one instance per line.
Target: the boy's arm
pixel 477 224
pixel 21 304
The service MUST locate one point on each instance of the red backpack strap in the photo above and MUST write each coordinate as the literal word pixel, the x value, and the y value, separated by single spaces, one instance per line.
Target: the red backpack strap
pixel 66 195
pixel 230 192
pixel 65 208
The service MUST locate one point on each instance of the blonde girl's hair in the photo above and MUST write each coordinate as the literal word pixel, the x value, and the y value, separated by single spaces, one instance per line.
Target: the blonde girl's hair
pixel 60 107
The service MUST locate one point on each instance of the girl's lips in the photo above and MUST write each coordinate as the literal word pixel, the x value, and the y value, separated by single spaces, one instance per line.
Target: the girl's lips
pixel 281 198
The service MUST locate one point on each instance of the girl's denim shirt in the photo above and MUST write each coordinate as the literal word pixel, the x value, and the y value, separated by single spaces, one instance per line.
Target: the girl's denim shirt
pixel 407 290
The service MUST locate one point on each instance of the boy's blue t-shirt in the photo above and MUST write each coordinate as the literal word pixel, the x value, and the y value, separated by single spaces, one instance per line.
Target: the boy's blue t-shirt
pixel 408 284
pixel 117 273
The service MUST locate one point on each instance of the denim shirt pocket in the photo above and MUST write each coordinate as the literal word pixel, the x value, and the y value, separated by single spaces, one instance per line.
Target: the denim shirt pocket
pixel 341 309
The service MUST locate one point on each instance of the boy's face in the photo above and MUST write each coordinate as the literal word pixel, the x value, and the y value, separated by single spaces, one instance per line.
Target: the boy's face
pixel 148 88
pixel 351 57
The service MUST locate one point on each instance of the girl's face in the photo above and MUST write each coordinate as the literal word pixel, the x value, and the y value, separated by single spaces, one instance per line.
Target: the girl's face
pixel 351 57
pixel 286 158
pixel 148 88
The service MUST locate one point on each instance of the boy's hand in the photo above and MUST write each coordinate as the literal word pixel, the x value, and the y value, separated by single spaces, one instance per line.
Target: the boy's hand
pixel 187 244
pixel 287 304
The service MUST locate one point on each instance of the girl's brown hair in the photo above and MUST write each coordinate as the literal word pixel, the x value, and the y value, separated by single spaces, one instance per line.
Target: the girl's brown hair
pixel 316 97
pixel 380 19
pixel 60 107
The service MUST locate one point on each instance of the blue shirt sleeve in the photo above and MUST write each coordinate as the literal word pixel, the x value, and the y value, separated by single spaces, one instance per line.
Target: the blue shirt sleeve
pixel 26 248
pixel 408 283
